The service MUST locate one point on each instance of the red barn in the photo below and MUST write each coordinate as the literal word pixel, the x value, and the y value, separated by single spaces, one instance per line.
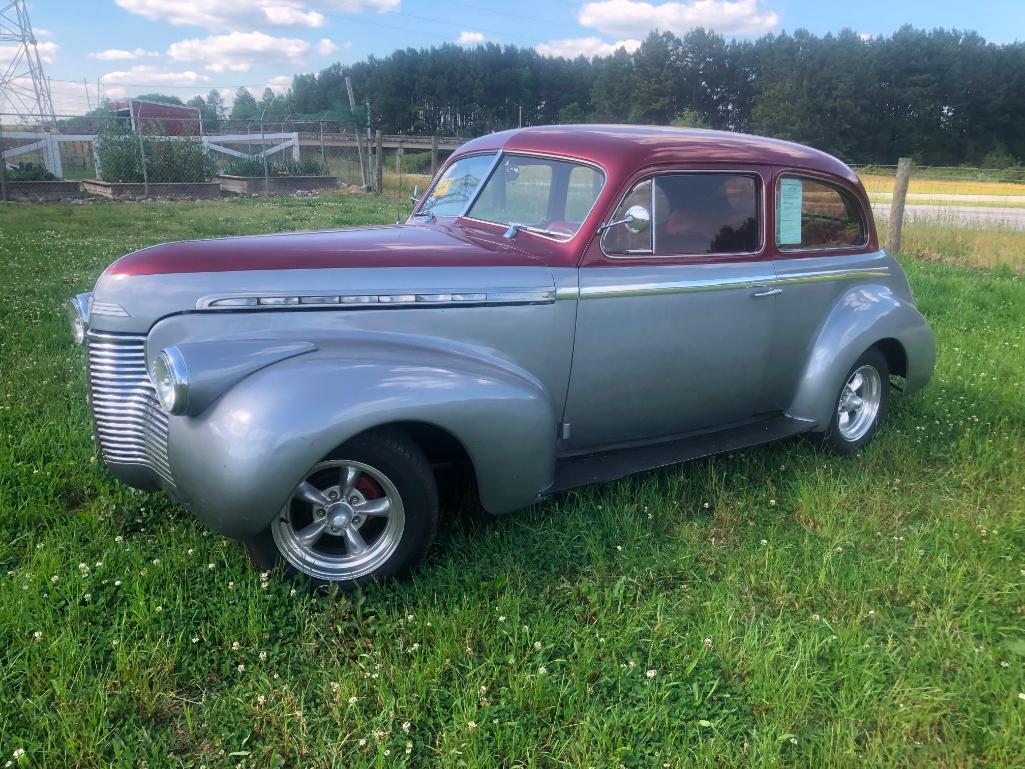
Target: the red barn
pixel 165 119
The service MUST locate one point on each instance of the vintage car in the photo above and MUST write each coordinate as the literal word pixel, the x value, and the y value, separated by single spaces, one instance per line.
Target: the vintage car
pixel 564 306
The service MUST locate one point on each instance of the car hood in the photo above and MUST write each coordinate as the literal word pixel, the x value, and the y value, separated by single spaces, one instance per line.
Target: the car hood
pixel 145 286
pixel 404 245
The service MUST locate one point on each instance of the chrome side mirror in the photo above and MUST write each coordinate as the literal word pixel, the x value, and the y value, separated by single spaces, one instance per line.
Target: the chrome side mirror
pixel 637 220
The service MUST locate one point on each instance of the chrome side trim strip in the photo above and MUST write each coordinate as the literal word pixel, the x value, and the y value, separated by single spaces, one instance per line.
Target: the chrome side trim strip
pixel 689 286
pixel 313 300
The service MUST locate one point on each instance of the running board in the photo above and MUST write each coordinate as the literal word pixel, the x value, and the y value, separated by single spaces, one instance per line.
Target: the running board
pixel 573 472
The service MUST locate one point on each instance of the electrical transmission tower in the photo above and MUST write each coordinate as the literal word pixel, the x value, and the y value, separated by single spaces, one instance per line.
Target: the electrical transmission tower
pixel 24 89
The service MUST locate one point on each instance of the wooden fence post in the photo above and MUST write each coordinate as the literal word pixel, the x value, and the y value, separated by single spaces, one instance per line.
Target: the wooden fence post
pixel 900 191
pixel 3 166
pixel 379 167
pixel 434 155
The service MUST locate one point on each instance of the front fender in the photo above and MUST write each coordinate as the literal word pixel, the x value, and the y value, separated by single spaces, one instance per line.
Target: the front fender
pixel 861 317
pixel 236 464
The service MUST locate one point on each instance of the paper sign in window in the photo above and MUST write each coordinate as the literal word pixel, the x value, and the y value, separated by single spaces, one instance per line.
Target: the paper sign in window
pixel 790 202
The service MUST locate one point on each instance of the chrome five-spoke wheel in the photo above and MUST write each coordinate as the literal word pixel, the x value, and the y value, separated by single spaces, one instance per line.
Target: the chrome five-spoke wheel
pixel 859 403
pixel 342 522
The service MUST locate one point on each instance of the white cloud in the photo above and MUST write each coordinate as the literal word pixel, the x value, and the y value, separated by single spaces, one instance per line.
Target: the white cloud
pixel 280 84
pixel 146 75
pixel 47 52
pixel 286 16
pixel 239 51
pixel 585 46
pixel 234 14
pixel 116 54
pixel 470 38
pixel 326 47
pixel 629 17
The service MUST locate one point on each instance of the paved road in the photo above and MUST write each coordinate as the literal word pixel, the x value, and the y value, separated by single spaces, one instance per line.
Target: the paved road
pixel 919 197
pixel 968 216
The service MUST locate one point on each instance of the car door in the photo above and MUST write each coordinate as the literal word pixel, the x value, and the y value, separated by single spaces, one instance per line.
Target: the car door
pixel 674 323
pixel 822 244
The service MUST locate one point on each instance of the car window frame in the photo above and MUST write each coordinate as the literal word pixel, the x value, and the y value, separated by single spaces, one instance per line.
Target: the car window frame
pixel 762 210
pixel 540 156
pixel 841 190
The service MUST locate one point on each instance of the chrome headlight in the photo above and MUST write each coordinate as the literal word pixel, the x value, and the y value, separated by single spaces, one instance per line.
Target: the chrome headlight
pixel 78 313
pixel 171 380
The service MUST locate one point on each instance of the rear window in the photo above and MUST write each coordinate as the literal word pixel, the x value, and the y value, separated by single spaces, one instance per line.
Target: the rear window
pixel 813 215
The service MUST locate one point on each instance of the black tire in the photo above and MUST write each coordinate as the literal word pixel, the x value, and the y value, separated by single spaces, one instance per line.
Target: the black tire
pixel 395 456
pixel 833 438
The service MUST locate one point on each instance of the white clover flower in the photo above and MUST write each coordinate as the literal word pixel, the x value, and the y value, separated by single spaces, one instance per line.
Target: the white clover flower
pixel 772 503
pixel 235 646
pixel 263 656
pixel 651 673
pixel 55 579
pixel 537 645
pixel 190 551
pixel 159 609
pixel 195 639
pixel 117 583
pixel 501 618
pixel 210 566
pixel 19 752
pixel 241 668
pixel 156 561
pixel 708 643
pixel 37 636
pixel 542 671
pixel 353 699
pixel 261 700
pixel 231 585
pixel 406 726
pixel 471 725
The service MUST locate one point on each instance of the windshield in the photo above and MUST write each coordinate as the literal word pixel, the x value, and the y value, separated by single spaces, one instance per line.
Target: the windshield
pixel 456 187
pixel 543 195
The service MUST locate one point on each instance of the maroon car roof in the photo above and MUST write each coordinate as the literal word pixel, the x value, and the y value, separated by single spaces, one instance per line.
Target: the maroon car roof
pixel 629 146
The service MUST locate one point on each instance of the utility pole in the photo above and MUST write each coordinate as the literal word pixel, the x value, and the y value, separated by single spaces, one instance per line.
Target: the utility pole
pixel 363 172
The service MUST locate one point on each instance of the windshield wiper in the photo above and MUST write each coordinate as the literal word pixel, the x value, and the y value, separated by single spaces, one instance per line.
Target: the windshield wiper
pixel 515 228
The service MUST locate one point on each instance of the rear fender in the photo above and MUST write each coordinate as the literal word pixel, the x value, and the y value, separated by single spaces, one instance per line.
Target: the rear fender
pixel 237 463
pixel 861 317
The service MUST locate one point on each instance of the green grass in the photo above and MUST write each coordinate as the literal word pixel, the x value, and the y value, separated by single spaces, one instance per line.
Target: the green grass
pixel 797 609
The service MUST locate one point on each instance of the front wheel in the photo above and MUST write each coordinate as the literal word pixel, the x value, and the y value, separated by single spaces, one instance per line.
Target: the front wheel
pixel 860 405
pixel 367 512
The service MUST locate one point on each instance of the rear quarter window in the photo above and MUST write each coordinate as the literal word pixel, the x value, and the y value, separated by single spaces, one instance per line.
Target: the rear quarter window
pixel 813 215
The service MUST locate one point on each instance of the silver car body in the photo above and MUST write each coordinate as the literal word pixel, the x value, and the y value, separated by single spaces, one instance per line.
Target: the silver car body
pixel 547 368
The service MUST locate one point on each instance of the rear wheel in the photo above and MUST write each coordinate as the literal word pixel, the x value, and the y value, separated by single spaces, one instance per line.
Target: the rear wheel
pixel 367 512
pixel 860 405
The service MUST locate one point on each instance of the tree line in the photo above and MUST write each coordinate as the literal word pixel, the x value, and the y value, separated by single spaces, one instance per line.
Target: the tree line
pixel 944 97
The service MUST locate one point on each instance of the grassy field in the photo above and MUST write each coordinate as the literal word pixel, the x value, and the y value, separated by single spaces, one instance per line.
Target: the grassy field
pixel 953 186
pixel 772 607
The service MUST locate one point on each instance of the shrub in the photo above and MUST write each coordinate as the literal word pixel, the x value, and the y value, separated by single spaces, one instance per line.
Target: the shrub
pixel 178 159
pixel 30 172
pixel 253 166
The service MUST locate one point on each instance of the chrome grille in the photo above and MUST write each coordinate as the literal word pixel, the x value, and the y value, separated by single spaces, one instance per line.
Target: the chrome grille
pixel 131 428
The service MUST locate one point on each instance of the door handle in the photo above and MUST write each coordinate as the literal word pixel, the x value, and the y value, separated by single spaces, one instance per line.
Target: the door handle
pixel 767 292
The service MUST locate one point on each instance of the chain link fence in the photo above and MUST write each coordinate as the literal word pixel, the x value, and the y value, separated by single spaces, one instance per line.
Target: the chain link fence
pixel 152 144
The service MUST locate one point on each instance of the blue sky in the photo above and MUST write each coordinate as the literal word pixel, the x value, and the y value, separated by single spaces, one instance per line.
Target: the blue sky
pixel 186 47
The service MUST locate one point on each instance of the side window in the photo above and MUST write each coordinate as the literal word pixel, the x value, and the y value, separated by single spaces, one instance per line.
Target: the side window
pixel 708 213
pixel 811 215
pixel 584 185
pixel 619 240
